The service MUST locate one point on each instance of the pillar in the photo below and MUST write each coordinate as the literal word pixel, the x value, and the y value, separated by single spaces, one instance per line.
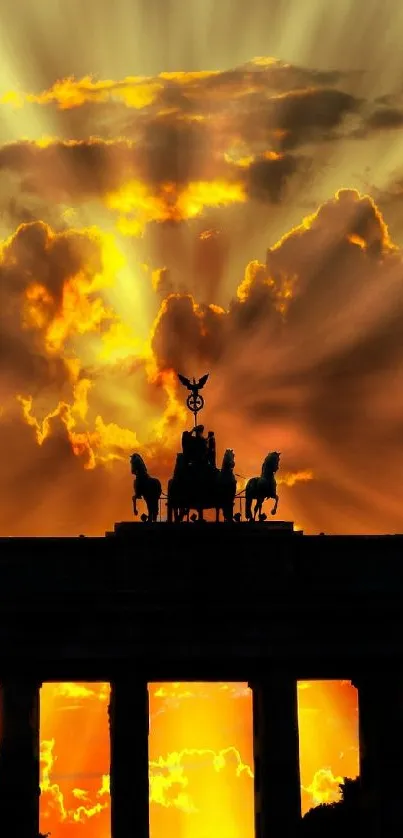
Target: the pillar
pixel 19 758
pixel 129 783
pixel 380 708
pixel 276 757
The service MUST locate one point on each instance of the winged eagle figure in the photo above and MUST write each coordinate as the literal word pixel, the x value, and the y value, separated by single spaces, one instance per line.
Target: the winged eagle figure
pixel 196 385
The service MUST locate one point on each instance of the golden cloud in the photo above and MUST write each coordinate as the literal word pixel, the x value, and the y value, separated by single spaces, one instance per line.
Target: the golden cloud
pixel 170 782
pixel 291 478
pixel 325 787
pixel 54 799
pixel 198 140
pixel 170 776
pixel 81 692
pixel 134 92
pixel 140 92
pixel 137 205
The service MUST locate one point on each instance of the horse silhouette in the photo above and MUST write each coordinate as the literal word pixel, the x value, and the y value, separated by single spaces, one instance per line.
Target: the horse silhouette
pixel 260 488
pixel 146 487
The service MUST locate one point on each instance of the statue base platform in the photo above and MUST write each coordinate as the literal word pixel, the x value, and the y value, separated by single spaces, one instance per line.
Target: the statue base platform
pixel 131 529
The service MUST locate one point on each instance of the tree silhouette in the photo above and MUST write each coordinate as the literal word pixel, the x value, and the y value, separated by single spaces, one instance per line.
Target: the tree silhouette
pixel 333 819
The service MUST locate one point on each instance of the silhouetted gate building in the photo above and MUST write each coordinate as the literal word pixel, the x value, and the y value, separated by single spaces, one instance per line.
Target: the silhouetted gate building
pixel 256 603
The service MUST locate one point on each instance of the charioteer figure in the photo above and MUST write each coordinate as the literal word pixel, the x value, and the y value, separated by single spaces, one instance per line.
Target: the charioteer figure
pixel 200 446
pixel 195 447
pixel 211 450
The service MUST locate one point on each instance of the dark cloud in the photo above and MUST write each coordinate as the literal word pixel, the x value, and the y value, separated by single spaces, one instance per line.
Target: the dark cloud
pixel 177 151
pixel 326 361
pixel 186 333
pixel 35 265
pixel 210 257
pixel 162 283
pixel 267 177
pixel 45 489
pixel 193 129
pixel 272 75
pixel 170 157
pixel 301 116
pixel 384 118
pixel 34 254
pixel 381 119
pixel 390 200
pixel 385 113
pixel 70 171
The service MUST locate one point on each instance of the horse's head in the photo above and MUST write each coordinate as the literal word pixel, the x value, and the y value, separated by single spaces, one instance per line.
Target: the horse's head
pixel 271 463
pixel 228 460
pixel 137 464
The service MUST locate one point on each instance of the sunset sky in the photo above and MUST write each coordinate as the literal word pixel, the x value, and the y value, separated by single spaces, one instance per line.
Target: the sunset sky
pixel 198 187
pixel 201 761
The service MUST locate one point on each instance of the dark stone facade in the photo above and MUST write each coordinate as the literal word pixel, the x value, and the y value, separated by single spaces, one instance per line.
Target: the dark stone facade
pixel 251 597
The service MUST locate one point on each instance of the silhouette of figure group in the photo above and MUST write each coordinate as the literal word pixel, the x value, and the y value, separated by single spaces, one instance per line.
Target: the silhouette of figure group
pixel 197 483
pixel 199 450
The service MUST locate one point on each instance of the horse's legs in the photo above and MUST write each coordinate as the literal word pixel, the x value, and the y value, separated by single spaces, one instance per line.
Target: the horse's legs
pixel 274 510
pixel 228 513
pixel 248 512
pixel 248 500
pixel 217 514
pixel 153 509
pixel 258 506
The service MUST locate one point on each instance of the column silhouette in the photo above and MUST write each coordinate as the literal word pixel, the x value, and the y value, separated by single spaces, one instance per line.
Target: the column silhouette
pixel 276 757
pixel 129 782
pixel 19 758
pixel 380 707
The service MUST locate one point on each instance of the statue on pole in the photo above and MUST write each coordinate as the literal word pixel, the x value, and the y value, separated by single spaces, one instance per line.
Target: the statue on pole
pixel 197 483
pixel 194 445
pixel 194 401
